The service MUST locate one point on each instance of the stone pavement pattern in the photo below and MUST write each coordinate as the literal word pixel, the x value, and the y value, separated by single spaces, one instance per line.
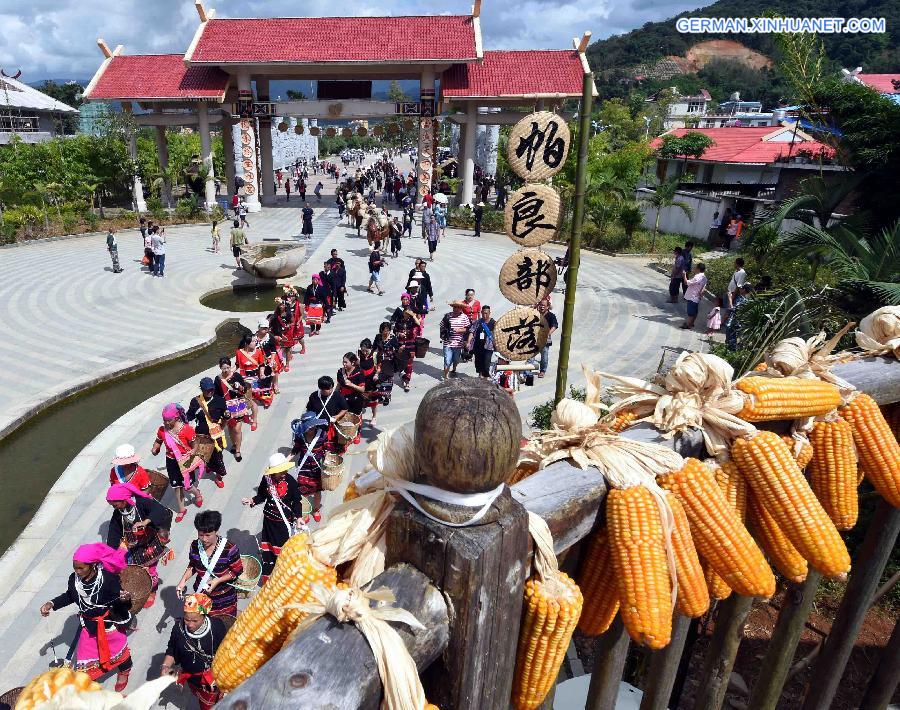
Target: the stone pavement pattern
pixel 621 325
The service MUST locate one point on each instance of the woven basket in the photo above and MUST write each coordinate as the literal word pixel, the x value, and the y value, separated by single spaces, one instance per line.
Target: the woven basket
pixel 332 471
pixel 9 698
pixel 348 427
pixel 314 130
pixel 330 131
pixel 205 447
pixel 362 131
pixel 136 579
pixel 347 132
pixel 378 130
pixel 507 334
pixel 526 290
pixel 249 578
pixel 539 212
pixel 159 481
pixel 228 620
pixel 547 160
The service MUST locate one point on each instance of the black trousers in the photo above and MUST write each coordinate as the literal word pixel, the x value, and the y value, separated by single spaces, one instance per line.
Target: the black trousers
pixel 341 299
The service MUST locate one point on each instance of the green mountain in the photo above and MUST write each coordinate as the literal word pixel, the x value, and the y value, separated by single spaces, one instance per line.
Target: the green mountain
pixel 618 59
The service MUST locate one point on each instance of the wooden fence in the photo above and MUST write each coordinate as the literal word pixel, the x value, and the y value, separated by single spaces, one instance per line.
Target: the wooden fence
pixel 465 585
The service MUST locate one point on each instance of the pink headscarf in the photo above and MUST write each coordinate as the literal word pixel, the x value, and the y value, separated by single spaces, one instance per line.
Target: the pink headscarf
pixel 317 278
pixel 170 411
pixel 112 560
pixel 124 491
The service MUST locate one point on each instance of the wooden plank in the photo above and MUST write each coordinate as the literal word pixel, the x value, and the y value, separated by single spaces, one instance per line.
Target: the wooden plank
pixel 664 666
pixel 610 654
pixel 722 650
pixel 876 376
pixel 864 577
pixel 481 570
pixel 798 601
pixel 887 674
pixel 331 664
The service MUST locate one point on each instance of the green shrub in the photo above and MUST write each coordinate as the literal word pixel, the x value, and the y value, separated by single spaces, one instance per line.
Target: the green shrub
pixel 615 242
pixel 217 213
pixel 154 205
pixel 462 218
pixel 70 223
pixel 8 232
pixel 92 220
pixel 187 207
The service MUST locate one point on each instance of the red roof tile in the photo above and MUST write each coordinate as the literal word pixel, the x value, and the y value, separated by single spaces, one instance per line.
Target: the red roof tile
pixel 746 145
pixel 314 40
pixel 516 73
pixel 882 83
pixel 158 76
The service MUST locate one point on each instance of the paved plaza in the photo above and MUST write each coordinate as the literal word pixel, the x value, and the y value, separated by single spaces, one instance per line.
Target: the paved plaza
pixel 81 322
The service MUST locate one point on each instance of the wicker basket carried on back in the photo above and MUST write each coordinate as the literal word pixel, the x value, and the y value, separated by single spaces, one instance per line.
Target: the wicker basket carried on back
pixel 332 471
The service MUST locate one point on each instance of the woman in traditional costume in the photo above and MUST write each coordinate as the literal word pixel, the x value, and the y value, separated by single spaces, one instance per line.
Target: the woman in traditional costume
pixel 369 369
pixel 310 447
pixel 192 646
pixel 407 325
pixel 209 412
pixel 280 494
pixel 386 348
pixel 294 304
pixel 214 562
pixel 241 407
pixel 180 440
pixel 103 609
pixel 314 301
pixel 251 363
pixel 352 385
pixel 141 526
pixel 125 468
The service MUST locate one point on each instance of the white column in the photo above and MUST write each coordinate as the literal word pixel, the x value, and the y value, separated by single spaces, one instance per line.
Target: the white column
pixel 228 150
pixel 468 160
pixel 206 154
pixel 267 171
pixel 162 153
pixel 137 188
pixel 426 147
pixel 247 170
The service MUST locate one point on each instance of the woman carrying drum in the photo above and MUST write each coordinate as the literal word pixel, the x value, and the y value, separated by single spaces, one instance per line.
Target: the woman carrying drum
pixel 251 363
pixel 209 411
pixel 183 468
pixel 352 385
pixel 314 301
pixel 103 610
pixel 214 562
pixel 283 507
pixel 125 468
pixel 141 525
pixel 241 407
pixel 192 646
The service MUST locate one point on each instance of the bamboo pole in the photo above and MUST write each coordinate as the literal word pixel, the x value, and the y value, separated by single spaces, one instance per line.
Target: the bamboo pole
pixel 777 662
pixel 610 654
pixel 722 650
pixel 887 674
pixel 584 133
pixel 867 571
pixel 664 666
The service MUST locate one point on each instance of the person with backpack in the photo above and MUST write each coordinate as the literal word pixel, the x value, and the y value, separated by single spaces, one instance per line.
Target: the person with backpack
pixel 481 342
pixel 454 328
pixel 375 263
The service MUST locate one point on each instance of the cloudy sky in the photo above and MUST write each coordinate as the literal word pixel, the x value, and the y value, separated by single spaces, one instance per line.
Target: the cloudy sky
pixel 56 38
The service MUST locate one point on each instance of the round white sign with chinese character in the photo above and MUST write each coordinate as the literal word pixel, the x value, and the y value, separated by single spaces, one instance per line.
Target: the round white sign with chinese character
pixel 538 146
pixel 532 215
pixel 521 334
pixel 528 276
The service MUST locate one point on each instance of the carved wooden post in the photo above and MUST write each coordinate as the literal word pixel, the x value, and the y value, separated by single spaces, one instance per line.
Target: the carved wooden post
pixel 467 441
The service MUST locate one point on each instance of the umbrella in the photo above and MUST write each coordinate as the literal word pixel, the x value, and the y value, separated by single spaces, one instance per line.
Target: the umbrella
pixel 440 197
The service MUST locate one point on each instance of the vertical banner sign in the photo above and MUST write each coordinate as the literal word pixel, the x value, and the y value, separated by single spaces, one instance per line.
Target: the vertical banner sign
pixel 537 150
pixel 248 157
pixel 426 139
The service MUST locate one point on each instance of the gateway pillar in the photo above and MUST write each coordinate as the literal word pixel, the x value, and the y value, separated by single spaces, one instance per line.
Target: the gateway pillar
pixel 267 172
pixel 228 149
pixel 137 187
pixel 206 156
pixel 246 163
pixel 162 153
pixel 425 160
pixel 467 162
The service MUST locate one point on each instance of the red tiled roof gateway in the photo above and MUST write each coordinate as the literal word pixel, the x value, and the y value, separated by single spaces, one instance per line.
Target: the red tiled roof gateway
pixel 882 83
pixel 158 76
pixel 746 145
pixel 516 73
pixel 313 40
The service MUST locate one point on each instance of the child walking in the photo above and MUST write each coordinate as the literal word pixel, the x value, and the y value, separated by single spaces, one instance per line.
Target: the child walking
pixel 216 237
pixel 714 318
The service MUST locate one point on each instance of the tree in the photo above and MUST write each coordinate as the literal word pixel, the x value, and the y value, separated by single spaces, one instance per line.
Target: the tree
pixel 69 94
pixel 692 144
pixel 662 197
pixel 630 217
pixel 295 95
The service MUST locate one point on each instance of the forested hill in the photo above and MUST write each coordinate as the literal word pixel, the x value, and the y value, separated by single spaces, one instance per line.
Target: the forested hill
pixel 875 53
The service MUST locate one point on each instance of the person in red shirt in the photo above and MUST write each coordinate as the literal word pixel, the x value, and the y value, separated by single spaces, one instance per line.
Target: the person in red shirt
pixel 472 307
pixel 125 468
pixel 180 441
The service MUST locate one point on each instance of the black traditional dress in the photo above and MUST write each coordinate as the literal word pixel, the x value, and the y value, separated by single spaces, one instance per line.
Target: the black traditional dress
pixel 193 652
pixel 147 545
pixel 209 415
pixel 386 356
pixel 283 507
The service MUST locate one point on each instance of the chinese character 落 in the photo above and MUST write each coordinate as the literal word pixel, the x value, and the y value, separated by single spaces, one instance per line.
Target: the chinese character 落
pixel 523 338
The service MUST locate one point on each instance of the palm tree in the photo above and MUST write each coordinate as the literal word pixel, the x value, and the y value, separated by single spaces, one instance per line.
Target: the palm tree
pixel 664 196
pixel 814 204
pixel 605 191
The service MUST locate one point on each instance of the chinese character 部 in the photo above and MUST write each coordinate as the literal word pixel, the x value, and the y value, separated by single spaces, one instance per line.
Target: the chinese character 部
pixel 532 275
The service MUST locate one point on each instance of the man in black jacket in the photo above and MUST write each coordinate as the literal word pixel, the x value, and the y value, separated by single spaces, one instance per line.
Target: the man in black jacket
pixel 338 279
pixel 328 282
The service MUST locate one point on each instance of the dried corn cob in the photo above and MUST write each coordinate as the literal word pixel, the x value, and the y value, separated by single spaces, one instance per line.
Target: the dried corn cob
pixel 833 471
pixel 781 552
pixel 772 398
pixel 622 421
pixel 693 596
pixel 801 449
pixel 640 564
pixel 550 614
pixel 761 367
pixel 597 581
pixel 717 531
pixel 43 687
pixel 732 484
pixel 260 630
pixel 350 493
pixel 879 452
pixel 778 483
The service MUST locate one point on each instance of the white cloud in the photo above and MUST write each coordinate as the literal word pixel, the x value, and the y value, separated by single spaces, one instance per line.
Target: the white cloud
pixel 56 38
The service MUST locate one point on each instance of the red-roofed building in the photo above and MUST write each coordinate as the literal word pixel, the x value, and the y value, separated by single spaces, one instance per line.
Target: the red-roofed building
pixel 882 83
pixel 156 77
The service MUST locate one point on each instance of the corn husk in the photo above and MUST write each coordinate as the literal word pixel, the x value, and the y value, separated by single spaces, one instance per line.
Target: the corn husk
pixel 879 332
pixel 143 698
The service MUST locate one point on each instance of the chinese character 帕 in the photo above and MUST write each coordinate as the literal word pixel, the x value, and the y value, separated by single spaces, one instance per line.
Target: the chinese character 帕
pixel 553 147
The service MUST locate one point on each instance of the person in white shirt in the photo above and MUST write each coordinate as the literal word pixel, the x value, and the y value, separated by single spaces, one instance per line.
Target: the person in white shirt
pixel 713 236
pixel 158 244
pixel 738 279
pixel 693 293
